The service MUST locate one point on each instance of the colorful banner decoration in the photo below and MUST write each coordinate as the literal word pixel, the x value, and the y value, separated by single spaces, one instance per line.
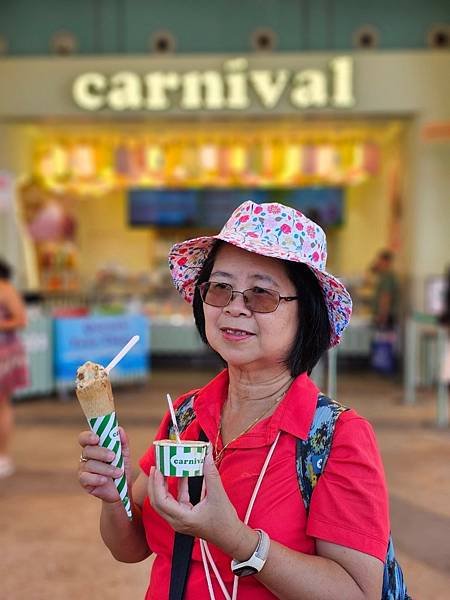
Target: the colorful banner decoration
pixel 258 160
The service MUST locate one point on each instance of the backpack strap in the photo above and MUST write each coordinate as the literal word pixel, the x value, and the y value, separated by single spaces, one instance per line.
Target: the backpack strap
pixel 312 453
pixel 183 543
pixel 394 585
pixel 311 457
pixel 185 415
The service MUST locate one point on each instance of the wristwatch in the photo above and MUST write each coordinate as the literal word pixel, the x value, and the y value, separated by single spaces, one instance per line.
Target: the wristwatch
pixel 256 561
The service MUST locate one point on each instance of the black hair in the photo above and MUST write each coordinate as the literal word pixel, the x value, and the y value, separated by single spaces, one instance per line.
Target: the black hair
pixel 386 255
pixel 5 270
pixel 313 335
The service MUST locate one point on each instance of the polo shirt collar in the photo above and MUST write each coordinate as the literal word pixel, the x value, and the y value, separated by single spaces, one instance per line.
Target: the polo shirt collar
pixel 296 411
pixel 294 414
pixel 208 403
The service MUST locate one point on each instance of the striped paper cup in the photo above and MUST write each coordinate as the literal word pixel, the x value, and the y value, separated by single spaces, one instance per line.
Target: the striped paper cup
pixel 183 459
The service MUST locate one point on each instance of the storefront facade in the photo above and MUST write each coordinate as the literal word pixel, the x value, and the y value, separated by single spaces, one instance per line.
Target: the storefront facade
pixel 396 100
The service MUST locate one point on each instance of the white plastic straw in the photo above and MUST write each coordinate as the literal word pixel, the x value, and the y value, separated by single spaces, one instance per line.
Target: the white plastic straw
pixel 134 340
pixel 174 419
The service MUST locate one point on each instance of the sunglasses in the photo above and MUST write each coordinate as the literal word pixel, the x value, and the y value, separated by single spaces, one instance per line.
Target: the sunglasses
pixel 256 299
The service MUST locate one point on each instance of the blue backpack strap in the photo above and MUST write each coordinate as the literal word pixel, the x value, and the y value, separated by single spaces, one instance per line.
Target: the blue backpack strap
pixel 311 458
pixel 185 414
pixel 312 454
pixel 394 586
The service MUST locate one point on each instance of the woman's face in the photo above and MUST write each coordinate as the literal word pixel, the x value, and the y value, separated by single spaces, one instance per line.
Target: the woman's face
pixel 244 338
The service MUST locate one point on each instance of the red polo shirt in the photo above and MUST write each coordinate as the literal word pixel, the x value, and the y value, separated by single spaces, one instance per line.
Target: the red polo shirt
pixel 349 505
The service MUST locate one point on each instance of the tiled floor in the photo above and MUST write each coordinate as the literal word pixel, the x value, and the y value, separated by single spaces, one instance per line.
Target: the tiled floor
pixel 51 548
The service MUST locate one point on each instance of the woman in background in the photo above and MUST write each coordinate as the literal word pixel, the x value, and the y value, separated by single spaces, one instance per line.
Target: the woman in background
pixel 444 320
pixel 13 364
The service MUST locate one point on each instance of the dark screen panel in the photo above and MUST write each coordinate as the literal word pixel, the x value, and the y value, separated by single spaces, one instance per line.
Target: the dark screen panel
pixel 165 208
pixel 217 205
pixel 211 207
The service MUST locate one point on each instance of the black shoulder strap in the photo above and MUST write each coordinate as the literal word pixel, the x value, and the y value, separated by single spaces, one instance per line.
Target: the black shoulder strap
pixel 183 544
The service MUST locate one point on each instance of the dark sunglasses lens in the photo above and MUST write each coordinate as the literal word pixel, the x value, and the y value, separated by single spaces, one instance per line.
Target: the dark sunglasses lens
pixel 261 300
pixel 216 294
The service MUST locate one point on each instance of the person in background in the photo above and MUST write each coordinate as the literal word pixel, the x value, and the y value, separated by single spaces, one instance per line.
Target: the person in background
pixel 386 293
pixel 385 315
pixel 264 302
pixel 364 291
pixel 13 361
pixel 444 320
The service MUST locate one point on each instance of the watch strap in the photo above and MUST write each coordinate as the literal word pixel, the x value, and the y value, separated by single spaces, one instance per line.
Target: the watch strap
pixel 257 560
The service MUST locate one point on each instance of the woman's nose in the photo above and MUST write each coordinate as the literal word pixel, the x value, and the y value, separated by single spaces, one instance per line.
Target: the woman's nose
pixel 237 304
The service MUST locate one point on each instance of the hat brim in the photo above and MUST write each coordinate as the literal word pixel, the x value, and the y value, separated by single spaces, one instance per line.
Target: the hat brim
pixel 187 258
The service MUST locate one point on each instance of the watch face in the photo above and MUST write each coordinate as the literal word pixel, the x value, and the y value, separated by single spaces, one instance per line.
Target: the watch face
pixel 244 571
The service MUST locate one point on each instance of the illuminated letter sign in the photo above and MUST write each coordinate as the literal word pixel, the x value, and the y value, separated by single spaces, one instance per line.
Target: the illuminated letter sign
pixel 309 89
pixel 158 88
pixel 202 90
pixel 88 89
pixel 233 88
pixel 237 84
pixel 125 91
pixel 268 86
pixel 342 69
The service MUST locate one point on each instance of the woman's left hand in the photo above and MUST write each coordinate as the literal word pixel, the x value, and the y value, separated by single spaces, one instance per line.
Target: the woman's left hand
pixel 213 519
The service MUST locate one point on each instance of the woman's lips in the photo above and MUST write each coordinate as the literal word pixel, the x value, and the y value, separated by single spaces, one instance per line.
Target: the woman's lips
pixel 234 334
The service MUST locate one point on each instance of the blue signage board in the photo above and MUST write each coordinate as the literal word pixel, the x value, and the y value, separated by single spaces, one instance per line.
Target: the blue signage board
pixel 98 339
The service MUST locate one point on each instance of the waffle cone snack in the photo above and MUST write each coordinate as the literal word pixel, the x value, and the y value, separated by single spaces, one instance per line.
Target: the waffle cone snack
pixel 93 389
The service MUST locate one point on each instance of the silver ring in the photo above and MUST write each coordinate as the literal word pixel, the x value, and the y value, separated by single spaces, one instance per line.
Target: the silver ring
pixel 82 459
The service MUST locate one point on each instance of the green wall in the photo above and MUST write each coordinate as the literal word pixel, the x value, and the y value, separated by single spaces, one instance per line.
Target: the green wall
pixel 125 26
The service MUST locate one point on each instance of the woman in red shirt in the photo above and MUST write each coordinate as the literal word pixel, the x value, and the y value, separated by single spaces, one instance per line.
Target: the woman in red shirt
pixel 263 301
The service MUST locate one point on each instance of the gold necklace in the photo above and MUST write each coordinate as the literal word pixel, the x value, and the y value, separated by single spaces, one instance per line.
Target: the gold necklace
pixel 218 455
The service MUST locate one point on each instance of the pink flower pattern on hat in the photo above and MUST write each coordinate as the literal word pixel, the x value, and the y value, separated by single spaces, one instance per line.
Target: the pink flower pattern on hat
pixel 274 230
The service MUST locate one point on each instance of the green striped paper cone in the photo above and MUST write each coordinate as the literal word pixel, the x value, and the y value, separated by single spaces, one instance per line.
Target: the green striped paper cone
pixel 183 459
pixel 106 427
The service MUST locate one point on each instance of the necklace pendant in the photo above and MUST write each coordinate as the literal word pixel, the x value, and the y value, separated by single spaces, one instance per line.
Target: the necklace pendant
pixel 218 454
pixel 217 457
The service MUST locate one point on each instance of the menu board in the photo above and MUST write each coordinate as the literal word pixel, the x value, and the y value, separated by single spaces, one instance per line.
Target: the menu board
pixel 164 208
pixel 211 207
pixel 217 205
pixel 324 205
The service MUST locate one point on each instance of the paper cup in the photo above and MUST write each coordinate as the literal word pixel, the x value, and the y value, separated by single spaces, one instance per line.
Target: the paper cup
pixel 183 459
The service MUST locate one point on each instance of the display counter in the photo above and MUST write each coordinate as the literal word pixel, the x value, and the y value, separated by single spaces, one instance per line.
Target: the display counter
pixel 425 350
pixel 58 344
pixel 38 341
pixel 98 338
pixel 176 336
pixel 60 339
pixel 357 338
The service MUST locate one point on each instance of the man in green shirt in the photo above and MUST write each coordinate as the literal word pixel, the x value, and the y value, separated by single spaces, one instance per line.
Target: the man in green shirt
pixel 387 293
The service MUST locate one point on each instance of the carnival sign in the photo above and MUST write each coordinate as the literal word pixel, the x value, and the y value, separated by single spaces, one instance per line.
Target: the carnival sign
pixel 235 87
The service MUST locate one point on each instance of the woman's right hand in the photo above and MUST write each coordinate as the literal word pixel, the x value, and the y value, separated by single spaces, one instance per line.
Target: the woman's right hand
pixel 96 475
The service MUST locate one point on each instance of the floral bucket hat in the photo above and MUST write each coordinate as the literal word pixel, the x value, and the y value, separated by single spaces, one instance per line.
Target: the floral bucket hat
pixel 274 230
